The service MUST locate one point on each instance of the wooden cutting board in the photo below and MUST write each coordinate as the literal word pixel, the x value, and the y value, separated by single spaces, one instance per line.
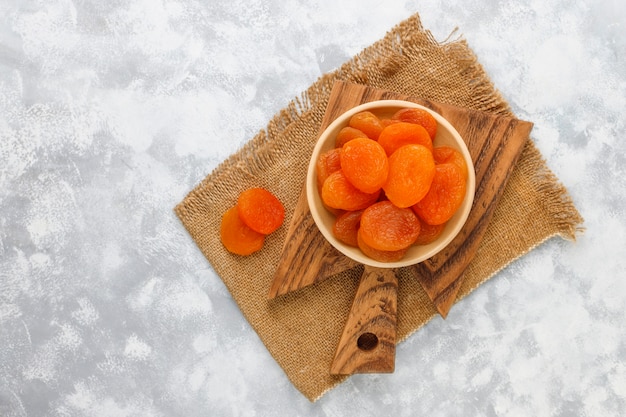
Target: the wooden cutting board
pixel 494 142
pixel 368 340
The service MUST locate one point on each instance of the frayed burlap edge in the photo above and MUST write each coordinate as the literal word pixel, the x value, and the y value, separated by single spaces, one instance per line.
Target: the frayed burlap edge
pixel 385 55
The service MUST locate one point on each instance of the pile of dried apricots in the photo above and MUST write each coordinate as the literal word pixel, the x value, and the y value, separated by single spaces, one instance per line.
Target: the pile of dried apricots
pixel 244 226
pixel 387 185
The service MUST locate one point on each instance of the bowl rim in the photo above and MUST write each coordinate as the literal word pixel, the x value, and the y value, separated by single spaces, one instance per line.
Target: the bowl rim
pixel 351 252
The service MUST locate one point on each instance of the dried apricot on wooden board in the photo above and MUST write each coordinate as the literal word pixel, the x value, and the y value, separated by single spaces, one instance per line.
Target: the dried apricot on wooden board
pixel 364 162
pixel 420 117
pixel 339 193
pixel 346 227
pixel 368 123
pixel 260 210
pixel 445 196
pixel 384 226
pixel 398 134
pixel 411 171
pixel 236 236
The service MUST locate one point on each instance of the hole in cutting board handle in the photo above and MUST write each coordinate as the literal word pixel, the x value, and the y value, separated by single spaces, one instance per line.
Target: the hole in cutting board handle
pixel 367 341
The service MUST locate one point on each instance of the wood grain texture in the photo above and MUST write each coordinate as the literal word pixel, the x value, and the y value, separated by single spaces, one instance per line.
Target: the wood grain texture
pixel 307 256
pixel 494 142
pixel 368 342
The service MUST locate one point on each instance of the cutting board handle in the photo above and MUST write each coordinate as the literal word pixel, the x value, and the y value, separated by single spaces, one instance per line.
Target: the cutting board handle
pixel 368 342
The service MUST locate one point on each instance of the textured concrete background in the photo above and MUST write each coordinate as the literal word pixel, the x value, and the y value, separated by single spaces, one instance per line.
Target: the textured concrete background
pixel 111 111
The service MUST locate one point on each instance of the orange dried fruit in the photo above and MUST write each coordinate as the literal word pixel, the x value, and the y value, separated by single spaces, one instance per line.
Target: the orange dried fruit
pixel 364 162
pixel 382 196
pixel 445 196
pixel 420 117
pixel 327 163
pixel 401 133
pixel 411 171
pixel 380 255
pixel 346 227
pixel 236 236
pixel 429 233
pixel 346 134
pixel 260 210
pixel 447 154
pixel 384 226
pixel 339 193
pixel 387 121
pixel 368 123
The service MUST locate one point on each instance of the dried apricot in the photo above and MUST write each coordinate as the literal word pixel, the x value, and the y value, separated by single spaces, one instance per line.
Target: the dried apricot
pixel 368 123
pixel 327 163
pixel 411 171
pixel 339 193
pixel 260 210
pixel 236 236
pixel 346 134
pixel 384 226
pixel 429 233
pixel 346 227
pixel 445 196
pixel 380 255
pixel 420 117
pixel 402 133
pixel 364 162
pixel 447 154
pixel 387 121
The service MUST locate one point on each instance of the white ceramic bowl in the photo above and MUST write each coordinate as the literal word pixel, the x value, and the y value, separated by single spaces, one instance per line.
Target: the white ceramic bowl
pixel 446 135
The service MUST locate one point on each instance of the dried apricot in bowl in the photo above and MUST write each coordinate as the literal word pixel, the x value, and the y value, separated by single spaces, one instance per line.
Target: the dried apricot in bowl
pixel 347 226
pixel 411 170
pixel 364 163
pixel 431 239
pixel 327 163
pixel 380 255
pixel 445 154
pixel 339 193
pixel 387 227
pixel 346 134
pixel 398 134
pixel 429 233
pixel 236 236
pixel 444 196
pixel 418 116
pixel 368 123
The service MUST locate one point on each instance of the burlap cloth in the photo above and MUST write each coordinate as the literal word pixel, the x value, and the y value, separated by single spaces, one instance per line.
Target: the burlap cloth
pixel 301 330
